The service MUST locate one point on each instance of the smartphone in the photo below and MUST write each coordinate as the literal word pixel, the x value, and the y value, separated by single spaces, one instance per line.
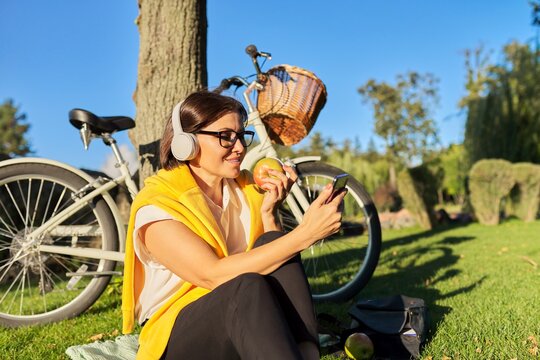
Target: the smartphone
pixel 338 184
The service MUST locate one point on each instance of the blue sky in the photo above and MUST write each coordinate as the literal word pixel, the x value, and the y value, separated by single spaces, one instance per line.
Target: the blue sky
pixel 57 55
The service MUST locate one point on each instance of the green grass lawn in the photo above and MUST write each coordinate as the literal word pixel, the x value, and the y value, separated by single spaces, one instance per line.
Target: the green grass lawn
pixel 481 285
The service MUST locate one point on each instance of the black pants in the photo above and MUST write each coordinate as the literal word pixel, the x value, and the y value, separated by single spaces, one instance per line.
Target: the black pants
pixel 249 317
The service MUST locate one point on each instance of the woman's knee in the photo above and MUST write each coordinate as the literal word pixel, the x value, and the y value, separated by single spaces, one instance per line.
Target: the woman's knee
pixel 249 287
pixel 243 281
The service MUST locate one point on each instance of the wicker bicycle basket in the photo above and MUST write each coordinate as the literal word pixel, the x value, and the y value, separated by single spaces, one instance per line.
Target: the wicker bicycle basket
pixel 290 103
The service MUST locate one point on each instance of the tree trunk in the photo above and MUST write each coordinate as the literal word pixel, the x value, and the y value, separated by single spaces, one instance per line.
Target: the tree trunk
pixel 172 64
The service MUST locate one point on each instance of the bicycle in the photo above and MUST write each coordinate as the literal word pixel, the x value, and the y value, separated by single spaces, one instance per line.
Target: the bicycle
pixel 62 234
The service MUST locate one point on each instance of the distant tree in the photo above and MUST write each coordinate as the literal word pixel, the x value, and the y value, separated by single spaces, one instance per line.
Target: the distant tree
pixel 403 116
pixel 371 153
pixel 172 64
pixel 503 107
pixel 316 144
pixel 477 65
pixel 12 131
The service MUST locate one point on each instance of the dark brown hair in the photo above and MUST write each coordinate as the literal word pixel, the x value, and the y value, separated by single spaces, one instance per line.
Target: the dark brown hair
pixel 198 110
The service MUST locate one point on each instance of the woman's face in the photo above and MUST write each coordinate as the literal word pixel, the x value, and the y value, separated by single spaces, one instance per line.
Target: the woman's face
pixel 213 158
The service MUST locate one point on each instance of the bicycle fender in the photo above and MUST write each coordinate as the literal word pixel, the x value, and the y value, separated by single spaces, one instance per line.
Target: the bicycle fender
pixel 305 159
pixel 106 196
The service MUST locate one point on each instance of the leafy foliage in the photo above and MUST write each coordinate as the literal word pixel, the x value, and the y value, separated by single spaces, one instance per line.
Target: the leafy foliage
pixel 527 177
pixel 418 188
pixel 454 165
pixel 503 119
pixel 489 181
pixel 402 114
pixel 12 131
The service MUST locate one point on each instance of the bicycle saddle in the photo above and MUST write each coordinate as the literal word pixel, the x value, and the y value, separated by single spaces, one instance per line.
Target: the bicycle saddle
pixel 100 124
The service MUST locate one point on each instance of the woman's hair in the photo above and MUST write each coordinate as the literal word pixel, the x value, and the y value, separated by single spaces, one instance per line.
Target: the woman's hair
pixel 198 110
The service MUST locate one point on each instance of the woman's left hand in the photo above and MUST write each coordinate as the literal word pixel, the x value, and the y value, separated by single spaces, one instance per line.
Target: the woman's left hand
pixel 277 188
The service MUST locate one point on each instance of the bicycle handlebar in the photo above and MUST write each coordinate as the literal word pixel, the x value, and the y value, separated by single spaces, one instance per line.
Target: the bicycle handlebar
pixel 238 81
pixel 253 53
pixel 227 83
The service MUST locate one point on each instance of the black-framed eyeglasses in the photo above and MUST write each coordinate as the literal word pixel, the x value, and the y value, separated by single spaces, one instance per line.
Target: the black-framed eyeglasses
pixel 227 138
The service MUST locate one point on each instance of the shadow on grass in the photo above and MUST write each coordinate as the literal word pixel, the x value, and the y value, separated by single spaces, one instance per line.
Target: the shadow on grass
pixel 416 271
pixel 412 267
pixel 405 240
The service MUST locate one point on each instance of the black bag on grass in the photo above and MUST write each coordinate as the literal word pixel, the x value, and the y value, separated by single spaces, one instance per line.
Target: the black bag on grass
pixel 397 325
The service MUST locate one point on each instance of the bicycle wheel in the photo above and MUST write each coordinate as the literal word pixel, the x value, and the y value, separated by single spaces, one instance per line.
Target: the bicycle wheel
pixel 39 287
pixel 339 266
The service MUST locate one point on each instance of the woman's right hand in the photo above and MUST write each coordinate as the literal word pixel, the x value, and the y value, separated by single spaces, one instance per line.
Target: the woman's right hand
pixel 321 219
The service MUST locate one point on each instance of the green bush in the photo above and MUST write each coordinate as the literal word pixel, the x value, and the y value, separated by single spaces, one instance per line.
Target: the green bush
pixel 526 201
pixel 418 189
pixel 489 181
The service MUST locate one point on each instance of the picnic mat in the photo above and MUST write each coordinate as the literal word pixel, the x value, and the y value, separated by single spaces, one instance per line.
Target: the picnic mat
pixel 124 347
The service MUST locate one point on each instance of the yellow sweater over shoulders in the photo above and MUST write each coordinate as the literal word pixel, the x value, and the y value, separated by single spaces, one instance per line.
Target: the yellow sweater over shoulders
pixel 176 192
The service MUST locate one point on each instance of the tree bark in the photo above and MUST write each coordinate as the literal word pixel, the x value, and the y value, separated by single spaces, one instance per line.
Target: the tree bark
pixel 172 64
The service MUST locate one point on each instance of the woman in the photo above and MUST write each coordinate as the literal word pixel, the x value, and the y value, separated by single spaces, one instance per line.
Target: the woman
pixel 208 271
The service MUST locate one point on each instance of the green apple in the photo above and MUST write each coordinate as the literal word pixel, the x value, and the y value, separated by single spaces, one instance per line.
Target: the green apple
pixel 260 171
pixel 358 346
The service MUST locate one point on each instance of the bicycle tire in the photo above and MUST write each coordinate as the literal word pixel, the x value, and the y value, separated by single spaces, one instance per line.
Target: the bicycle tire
pixel 37 283
pixel 338 267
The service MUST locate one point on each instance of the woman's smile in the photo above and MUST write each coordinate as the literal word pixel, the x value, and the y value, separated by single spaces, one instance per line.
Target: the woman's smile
pixel 234 160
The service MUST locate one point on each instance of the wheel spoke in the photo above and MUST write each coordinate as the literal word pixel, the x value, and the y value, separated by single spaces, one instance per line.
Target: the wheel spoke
pixel 14 295
pixel 23 279
pixel 42 281
pixel 27 203
pixel 15 203
pixel 30 295
pixel 59 202
pixel 8 234
pixel 12 261
pixel 36 207
pixel 13 226
pixel 48 204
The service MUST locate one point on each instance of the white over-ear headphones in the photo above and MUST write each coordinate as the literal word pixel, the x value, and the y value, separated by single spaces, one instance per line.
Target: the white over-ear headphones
pixel 184 146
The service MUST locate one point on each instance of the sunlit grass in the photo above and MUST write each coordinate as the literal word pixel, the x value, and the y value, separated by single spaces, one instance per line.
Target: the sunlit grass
pixel 51 341
pixel 30 300
pixel 481 285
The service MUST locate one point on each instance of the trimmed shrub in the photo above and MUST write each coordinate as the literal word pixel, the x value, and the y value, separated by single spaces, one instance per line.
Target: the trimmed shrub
pixel 418 189
pixel 489 181
pixel 527 186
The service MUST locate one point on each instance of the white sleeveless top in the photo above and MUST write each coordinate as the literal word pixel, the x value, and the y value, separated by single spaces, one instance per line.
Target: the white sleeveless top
pixel 159 282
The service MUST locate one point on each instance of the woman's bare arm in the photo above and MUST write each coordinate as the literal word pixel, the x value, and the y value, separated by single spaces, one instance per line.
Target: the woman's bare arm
pixel 187 255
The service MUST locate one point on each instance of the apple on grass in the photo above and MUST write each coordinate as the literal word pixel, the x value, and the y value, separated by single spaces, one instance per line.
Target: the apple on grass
pixel 359 346
pixel 260 171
